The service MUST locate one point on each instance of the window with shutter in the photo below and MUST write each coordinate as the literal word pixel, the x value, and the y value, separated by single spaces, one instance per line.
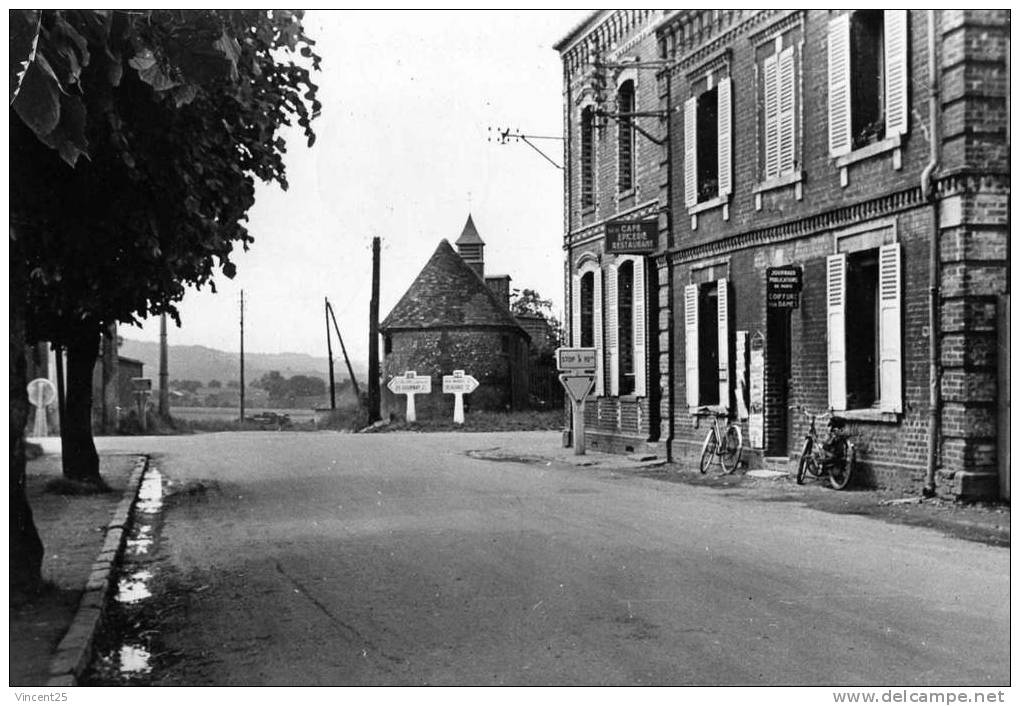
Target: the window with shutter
pixel 575 311
pixel 691 345
pixel 625 136
pixel 787 116
pixel 588 157
pixel 836 329
pixel 599 341
pixel 690 152
pixel 839 86
pixel 770 82
pixel 890 345
pixel 897 110
pixel 723 324
pixel 612 337
pixel 625 324
pixel 640 364
pixel 724 138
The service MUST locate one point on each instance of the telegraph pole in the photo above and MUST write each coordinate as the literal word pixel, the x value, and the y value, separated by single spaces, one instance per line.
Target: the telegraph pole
pixel 329 351
pixel 242 356
pixel 343 348
pixel 373 339
pixel 164 390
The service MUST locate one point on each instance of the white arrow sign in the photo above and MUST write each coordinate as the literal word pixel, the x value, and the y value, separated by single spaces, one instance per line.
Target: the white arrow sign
pixel 410 384
pixel 459 385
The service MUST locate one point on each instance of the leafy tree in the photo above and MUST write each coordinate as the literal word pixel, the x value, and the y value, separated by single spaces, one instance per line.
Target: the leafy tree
pixel 306 386
pixel 528 302
pixel 233 385
pixel 135 141
pixel 215 384
pixel 273 383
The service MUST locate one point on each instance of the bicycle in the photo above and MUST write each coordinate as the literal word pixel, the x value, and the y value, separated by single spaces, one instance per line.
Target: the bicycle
pixel 835 456
pixel 728 445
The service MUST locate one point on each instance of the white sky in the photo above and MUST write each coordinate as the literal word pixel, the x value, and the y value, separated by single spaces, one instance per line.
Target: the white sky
pixel 408 98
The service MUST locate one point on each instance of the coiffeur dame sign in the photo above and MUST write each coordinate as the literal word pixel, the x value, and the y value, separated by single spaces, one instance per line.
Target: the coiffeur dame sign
pixel 782 287
pixel 631 237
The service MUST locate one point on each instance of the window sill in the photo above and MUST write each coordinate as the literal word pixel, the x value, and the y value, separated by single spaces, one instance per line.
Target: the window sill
pixel 868 415
pixel 587 210
pixel 626 194
pixel 709 205
pixel 779 182
pixel 887 145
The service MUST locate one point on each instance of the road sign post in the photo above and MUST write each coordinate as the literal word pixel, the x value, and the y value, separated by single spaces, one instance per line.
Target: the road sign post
pixel 458 385
pixel 578 387
pixel 142 388
pixel 410 384
pixel 577 375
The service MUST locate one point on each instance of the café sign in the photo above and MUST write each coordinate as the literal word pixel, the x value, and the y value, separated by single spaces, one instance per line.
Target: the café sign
pixel 631 237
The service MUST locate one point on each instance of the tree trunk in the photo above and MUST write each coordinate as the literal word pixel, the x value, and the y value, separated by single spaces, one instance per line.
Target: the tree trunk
pixel 25 545
pixel 80 460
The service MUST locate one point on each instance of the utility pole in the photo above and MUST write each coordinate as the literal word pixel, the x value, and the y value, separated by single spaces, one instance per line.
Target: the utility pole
pixel 329 351
pixel 242 356
pixel 373 339
pixel 164 389
pixel 347 359
pixel 58 363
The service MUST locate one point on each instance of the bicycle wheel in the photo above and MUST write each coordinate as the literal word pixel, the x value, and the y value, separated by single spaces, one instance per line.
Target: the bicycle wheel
pixel 842 464
pixel 807 463
pixel 708 450
pixel 732 448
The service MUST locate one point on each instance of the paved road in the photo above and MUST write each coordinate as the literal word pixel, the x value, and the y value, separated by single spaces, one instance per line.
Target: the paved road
pixel 395 559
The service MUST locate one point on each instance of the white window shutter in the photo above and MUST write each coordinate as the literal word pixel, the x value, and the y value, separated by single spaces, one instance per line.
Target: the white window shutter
pixel 836 329
pixel 770 86
pixel 897 111
pixel 890 344
pixel 600 385
pixel 613 324
pixel 691 152
pixel 723 298
pixel 640 365
pixel 787 115
pixel 575 312
pixel 691 343
pixel 725 136
pixel 839 86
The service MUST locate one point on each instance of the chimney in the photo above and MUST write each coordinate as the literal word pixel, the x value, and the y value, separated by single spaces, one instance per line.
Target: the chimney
pixel 500 286
pixel 471 247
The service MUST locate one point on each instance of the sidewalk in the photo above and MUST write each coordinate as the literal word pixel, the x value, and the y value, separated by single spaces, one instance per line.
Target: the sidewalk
pixel 987 523
pixel 73 529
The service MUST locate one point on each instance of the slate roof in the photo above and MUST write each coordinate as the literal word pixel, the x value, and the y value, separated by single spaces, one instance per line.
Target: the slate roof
pixel 469 236
pixel 448 293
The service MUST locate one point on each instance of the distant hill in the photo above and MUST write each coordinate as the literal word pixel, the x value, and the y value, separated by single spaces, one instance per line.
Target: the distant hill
pixel 205 364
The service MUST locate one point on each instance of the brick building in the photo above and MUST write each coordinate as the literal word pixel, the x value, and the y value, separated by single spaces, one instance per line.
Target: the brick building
pixel 453 317
pixel 862 154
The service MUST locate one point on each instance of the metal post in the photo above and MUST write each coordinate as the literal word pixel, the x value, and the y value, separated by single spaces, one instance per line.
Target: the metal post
pixel 578 427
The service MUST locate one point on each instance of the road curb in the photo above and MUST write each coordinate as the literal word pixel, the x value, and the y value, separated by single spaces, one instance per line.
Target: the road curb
pixel 75 650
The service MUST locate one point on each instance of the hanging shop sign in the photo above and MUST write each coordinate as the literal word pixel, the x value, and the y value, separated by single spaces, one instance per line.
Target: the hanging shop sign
pixel 782 287
pixel 631 237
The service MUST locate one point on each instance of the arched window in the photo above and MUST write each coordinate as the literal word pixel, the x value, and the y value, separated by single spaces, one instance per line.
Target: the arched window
pixel 625 325
pixel 625 144
pixel 588 157
pixel 587 310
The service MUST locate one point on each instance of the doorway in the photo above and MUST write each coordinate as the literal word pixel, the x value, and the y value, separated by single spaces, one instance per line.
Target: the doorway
pixel 777 382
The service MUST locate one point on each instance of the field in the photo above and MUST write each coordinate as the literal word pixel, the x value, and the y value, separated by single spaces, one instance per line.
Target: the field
pixel 230 414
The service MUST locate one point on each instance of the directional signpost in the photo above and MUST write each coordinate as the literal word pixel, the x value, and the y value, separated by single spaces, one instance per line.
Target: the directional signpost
pixel 41 394
pixel 577 366
pixel 458 385
pixel 142 388
pixel 411 384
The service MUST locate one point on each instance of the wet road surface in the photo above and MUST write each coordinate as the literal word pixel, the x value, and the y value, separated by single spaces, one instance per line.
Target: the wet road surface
pixel 320 558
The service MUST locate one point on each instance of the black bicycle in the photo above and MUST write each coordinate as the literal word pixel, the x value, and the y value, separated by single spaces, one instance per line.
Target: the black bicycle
pixel 722 444
pixel 834 456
